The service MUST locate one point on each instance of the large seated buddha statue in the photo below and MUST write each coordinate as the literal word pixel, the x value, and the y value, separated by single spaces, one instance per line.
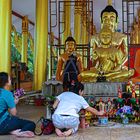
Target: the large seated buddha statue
pixel 109 51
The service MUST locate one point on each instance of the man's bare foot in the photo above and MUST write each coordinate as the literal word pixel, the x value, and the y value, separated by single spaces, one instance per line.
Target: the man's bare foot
pixel 15 132
pixel 19 133
pixel 68 132
pixel 59 132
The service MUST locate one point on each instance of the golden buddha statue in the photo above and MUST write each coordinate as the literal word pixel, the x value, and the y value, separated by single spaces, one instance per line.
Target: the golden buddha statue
pixel 134 38
pixel 70 52
pixel 135 33
pixel 109 51
pixel 109 18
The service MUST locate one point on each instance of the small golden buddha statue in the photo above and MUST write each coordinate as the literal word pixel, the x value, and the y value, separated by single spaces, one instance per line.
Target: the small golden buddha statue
pixel 129 86
pixel 88 117
pixel 109 51
pixel 70 45
pixel 135 33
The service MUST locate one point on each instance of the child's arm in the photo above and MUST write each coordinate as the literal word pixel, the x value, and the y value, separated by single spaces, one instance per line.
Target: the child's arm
pixel 94 111
pixel 56 103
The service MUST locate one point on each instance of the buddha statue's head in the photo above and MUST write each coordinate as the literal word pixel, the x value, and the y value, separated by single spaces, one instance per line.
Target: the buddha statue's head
pixel 109 17
pixel 70 44
pixel 105 36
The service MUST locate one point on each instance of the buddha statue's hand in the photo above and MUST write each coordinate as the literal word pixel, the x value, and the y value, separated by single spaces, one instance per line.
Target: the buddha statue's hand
pixel 125 67
pixel 120 67
pixel 117 68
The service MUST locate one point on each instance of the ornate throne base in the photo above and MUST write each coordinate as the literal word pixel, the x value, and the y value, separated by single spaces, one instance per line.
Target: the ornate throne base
pixel 103 89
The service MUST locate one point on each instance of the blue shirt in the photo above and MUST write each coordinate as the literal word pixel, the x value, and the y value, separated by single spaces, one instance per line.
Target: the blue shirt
pixel 6 101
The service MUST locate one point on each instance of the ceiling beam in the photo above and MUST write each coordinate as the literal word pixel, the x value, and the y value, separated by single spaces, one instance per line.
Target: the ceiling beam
pixel 20 16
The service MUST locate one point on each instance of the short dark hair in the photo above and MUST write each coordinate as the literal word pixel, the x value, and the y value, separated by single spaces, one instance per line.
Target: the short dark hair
pixel 3 79
pixel 70 39
pixel 109 8
pixel 66 85
pixel 76 87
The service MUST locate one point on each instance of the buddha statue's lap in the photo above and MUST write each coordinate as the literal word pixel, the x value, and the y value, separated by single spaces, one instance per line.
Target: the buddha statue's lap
pixel 113 76
pixel 109 51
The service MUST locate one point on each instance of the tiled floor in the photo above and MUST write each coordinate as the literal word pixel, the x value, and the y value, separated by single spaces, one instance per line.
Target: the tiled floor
pixel 117 132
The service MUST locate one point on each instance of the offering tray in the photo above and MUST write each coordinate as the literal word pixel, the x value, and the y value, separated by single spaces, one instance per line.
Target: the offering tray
pixel 97 124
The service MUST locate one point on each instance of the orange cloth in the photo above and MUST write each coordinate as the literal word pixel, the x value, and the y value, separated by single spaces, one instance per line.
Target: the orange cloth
pixel 62 61
pixel 137 67
pixel 137 61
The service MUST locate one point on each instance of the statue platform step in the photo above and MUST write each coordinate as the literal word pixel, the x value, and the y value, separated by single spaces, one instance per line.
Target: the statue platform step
pixel 103 89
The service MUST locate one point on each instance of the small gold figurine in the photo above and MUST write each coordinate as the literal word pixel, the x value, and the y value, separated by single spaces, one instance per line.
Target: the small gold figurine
pixel 135 33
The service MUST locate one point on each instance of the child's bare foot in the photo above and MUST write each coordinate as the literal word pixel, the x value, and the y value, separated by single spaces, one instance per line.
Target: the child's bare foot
pixel 59 132
pixel 68 132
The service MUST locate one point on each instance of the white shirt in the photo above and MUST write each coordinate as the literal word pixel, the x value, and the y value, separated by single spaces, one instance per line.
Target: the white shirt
pixel 70 104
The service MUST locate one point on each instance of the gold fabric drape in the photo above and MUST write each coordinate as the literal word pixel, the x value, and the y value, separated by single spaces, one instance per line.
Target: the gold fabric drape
pixel 84 35
pixel 67 22
pixel 24 39
pixel 31 41
pixel 41 43
pixel 5 35
pixel 84 40
pixel 135 33
pixel 77 21
pixel 17 40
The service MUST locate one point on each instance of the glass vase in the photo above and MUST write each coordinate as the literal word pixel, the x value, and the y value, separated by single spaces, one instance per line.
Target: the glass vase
pixel 125 120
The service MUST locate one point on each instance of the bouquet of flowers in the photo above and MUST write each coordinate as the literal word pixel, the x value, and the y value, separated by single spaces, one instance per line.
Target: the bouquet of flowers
pixel 19 93
pixel 124 114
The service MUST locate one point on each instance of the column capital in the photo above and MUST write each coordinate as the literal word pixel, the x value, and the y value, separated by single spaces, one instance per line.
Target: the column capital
pixel 25 24
pixel 109 2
